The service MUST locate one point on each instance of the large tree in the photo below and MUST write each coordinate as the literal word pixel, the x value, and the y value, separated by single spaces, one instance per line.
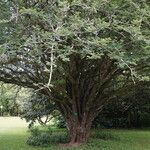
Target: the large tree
pixel 77 52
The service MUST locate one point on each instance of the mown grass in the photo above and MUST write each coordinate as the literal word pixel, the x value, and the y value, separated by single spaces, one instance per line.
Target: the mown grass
pixel 13 135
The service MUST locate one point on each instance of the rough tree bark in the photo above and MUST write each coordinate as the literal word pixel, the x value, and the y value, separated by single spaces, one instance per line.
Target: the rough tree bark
pixel 79 131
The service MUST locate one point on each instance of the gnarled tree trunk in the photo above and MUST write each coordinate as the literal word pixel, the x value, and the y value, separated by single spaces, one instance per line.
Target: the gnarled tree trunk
pixel 79 128
pixel 79 132
pixel 85 94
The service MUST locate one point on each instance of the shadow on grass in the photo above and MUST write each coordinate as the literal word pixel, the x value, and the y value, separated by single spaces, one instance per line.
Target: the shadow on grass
pixel 104 135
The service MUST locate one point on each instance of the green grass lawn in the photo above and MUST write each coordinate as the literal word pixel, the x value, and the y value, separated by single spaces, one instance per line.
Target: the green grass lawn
pixel 13 135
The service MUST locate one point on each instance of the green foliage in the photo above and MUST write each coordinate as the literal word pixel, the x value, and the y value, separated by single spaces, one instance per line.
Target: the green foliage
pixel 37 107
pixel 11 97
pixel 39 140
pixel 60 122
pixel 91 29
pixel 34 131
pixel 130 110
pixel 105 122
pixel 45 137
pixel 39 137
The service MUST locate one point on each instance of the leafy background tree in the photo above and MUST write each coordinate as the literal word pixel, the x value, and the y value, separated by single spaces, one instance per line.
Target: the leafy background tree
pixel 10 99
pixel 130 111
pixel 39 108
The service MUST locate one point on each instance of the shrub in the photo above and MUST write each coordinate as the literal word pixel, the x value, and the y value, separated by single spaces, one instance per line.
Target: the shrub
pixel 39 137
pixel 34 131
pixel 40 140
pixel 60 123
pixel 45 137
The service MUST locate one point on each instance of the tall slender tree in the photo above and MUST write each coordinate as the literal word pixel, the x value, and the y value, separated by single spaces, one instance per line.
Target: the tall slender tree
pixel 74 51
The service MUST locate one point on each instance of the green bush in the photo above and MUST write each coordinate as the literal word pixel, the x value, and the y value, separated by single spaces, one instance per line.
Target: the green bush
pixel 45 137
pixel 104 122
pixel 39 137
pixel 59 138
pixel 40 140
pixel 34 131
pixel 60 123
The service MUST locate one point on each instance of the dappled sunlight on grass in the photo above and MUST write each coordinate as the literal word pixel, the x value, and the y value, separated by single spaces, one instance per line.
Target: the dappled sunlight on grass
pixel 10 124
